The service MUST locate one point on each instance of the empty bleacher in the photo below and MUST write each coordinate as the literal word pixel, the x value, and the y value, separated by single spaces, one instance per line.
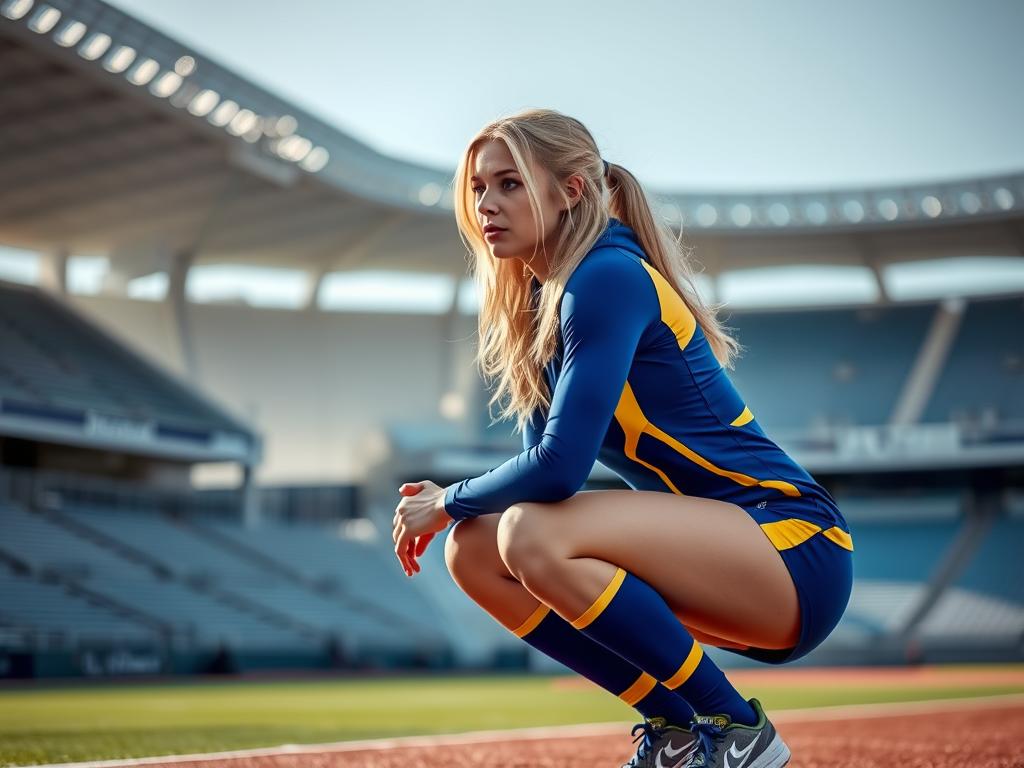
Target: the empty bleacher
pixel 54 614
pixel 50 357
pixel 898 544
pixel 985 369
pixel 265 587
pixel 986 600
pixel 129 578
pixel 832 358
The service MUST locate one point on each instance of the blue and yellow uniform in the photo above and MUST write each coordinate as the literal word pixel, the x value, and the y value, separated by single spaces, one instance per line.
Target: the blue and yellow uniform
pixel 635 384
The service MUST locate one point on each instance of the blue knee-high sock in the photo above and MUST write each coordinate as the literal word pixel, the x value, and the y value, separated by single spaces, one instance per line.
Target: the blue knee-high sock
pixel 549 633
pixel 633 620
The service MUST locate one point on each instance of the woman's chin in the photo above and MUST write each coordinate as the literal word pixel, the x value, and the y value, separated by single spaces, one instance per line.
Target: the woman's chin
pixel 499 251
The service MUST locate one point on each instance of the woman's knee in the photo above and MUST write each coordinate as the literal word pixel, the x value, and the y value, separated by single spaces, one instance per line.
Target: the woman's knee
pixel 466 547
pixel 525 542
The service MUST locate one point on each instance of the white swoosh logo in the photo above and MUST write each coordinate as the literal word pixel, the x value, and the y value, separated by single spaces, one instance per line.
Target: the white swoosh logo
pixel 741 755
pixel 673 753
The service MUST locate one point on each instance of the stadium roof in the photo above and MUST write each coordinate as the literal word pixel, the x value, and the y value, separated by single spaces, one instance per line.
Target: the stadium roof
pixel 117 139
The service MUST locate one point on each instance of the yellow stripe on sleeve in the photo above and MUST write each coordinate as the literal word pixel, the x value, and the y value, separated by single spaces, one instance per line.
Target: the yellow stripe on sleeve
pixel 744 418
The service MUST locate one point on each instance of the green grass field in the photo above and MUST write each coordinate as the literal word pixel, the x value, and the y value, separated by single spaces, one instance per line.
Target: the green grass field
pixel 130 720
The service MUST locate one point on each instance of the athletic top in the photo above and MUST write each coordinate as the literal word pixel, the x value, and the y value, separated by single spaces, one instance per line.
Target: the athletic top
pixel 636 385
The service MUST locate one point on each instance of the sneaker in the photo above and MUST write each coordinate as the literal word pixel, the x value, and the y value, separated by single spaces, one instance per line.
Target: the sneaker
pixel 662 745
pixel 722 743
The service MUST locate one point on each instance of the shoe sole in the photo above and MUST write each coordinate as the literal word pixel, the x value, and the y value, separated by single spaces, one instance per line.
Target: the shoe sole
pixel 775 755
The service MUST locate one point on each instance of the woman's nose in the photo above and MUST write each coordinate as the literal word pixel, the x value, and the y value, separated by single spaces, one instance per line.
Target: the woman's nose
pixel 484 205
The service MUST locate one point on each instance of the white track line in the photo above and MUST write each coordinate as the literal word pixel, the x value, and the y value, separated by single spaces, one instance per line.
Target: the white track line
pixel 837 712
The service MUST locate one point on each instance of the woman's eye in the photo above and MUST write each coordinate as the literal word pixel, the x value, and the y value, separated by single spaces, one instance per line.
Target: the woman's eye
pixel 477 190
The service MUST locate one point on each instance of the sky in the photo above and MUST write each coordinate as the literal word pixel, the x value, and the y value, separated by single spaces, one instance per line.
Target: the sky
pixel 740 96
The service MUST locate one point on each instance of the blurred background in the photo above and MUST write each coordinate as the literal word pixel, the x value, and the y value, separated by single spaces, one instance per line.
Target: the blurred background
pixel 235 312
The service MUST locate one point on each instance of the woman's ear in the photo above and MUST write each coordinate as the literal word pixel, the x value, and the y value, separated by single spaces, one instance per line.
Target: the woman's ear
pixel 574 189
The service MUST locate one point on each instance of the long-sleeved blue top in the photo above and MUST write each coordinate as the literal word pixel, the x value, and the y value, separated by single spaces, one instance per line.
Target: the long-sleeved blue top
pixel 635 384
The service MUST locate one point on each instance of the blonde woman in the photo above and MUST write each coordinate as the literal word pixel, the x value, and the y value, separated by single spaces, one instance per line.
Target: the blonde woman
pixel 591 325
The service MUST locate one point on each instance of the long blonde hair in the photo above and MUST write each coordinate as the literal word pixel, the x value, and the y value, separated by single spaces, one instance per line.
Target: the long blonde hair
pixel 516 342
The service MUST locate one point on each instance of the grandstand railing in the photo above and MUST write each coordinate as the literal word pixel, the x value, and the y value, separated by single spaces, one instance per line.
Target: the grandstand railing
pixel 909 446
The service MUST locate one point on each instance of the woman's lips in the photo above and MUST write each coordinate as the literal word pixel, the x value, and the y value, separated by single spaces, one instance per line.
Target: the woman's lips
pixel 493 234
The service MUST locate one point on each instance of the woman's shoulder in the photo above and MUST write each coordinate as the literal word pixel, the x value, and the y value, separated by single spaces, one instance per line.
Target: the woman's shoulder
pixel 610 280
pixel 610 268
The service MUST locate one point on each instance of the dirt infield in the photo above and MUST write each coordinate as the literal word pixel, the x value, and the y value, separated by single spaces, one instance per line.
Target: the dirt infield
pixel 979 733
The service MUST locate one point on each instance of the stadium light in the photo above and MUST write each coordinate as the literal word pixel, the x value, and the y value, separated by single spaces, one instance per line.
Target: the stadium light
pixel 16 9
pixel 144 71
pixel 166 84
pixel 286 125
pixel 223 113
pixel 185 66
pixel 316 159
pixel 44 20
pixel 816 212
pixel 778 214
pixel 853 211
pixel 1003 198
pixel 72 32
pixel 242 122
pixel 294 148
pixel 120 59
pixel 888 209
pixel 707 214
pixel 670 212
pixel 930 206
pixel 970 203
pixel 741 214
pixel 203 102
pixel 96 46
pixel 430 193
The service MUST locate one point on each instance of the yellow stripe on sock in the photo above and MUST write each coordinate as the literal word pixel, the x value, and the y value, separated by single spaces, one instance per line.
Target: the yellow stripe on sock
pixel 531 623
pixel 602 601
pixel 684 672
pixel 643 685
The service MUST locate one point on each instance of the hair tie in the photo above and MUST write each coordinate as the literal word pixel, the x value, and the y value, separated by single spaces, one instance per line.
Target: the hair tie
pixel 605 166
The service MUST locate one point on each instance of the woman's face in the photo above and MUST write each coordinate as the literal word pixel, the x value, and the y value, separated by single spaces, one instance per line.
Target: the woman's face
pixel 501 201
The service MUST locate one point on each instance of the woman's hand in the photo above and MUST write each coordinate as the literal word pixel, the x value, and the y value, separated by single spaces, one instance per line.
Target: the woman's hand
pixel 418 517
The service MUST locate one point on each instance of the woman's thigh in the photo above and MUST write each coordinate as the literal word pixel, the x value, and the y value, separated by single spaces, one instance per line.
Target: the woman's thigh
pixel 709 559
pixel 471 553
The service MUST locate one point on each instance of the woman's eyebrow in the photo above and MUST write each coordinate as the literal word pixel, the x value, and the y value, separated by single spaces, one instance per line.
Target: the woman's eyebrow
pixel 499 173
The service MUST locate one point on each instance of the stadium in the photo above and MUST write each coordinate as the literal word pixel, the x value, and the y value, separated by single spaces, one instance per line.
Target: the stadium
pixel 204 418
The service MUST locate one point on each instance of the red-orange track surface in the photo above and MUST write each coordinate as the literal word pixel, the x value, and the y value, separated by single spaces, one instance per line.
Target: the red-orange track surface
pixel 978 735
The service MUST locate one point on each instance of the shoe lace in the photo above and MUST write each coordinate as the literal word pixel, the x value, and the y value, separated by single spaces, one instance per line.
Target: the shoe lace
pixel 706 734
pixel 647 736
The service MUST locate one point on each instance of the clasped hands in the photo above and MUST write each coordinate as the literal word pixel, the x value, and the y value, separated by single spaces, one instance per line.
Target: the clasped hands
pixel 418 518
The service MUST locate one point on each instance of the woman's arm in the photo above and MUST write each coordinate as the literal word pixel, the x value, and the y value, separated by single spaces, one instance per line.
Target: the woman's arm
pixel 608 303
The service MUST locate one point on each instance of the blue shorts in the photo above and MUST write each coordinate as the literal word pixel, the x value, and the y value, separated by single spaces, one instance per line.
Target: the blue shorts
pixel 821 566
